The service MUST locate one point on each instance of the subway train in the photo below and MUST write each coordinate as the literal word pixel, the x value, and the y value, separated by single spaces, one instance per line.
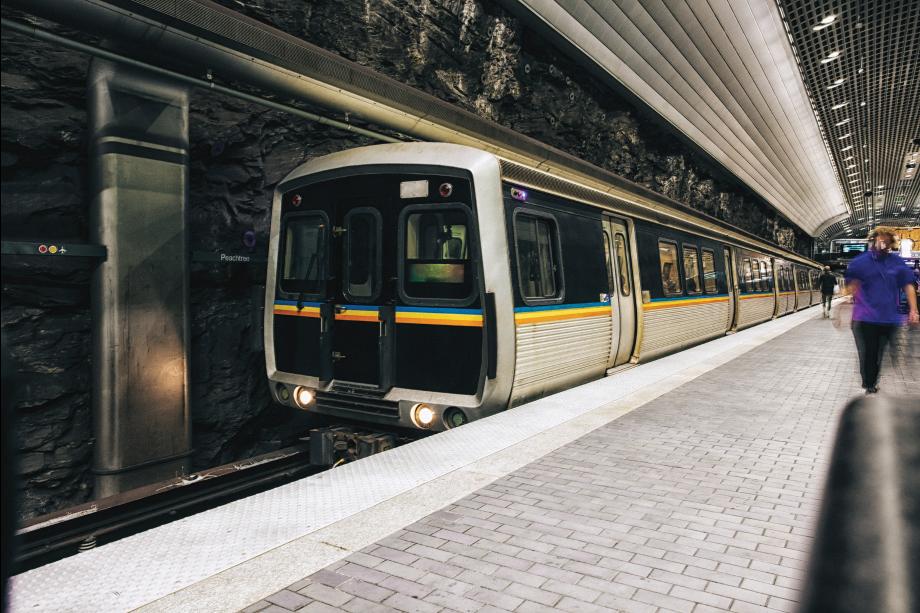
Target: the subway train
pixel 423 285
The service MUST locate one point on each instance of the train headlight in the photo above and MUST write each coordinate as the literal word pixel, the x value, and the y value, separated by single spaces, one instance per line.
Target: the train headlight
pixel 423 415
pixel 304 397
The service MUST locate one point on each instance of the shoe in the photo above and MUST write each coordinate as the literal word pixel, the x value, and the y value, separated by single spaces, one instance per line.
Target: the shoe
pixel 871 390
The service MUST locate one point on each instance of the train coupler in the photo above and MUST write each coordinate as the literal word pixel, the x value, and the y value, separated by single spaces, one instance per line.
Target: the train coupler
pixel 339 444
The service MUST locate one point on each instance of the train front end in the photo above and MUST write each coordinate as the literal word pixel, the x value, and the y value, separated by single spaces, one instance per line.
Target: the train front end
pixel 380 307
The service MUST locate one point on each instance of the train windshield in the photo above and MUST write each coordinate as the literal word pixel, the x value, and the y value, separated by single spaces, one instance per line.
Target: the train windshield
pixel 437 254
pixel 303 267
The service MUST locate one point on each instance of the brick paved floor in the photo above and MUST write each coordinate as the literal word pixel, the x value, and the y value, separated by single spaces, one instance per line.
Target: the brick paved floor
pixel 702 500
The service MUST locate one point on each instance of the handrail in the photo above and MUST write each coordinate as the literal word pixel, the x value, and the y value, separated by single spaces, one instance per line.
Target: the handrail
pixel 866 555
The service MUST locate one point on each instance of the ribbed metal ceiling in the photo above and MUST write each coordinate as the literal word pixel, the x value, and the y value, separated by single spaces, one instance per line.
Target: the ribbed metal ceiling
pixel 859 60
pixel 724 74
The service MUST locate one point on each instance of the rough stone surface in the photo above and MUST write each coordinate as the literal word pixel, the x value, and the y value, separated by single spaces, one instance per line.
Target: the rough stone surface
pixel 469 52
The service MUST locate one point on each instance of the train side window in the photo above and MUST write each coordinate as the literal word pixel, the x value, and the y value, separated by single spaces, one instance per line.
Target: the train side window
pixel 692 269
pixel 670 277
pixel 435 252
pixel 764 276
pixel 537 245
pixel 607 260
pixel 748 275
pixel 709 272
pixel 362 261
pixel 304 254
pixel 619 242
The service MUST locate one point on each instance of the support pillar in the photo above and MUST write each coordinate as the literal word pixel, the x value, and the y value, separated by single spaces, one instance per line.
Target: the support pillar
pixel 139 166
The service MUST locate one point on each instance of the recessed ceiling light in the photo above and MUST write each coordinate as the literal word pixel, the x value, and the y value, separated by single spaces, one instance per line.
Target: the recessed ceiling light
pixel 840 123
pixel 847 147
pixel 879 187
pixel 849 157
pixel 839 106
pixel 825 22
pixel 847 135
pixel 862 104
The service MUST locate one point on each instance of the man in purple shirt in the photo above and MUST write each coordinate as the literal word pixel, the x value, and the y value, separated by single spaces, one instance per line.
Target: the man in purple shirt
pixel 875 278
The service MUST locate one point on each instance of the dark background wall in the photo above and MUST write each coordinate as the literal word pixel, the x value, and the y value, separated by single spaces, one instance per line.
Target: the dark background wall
pixel 469 52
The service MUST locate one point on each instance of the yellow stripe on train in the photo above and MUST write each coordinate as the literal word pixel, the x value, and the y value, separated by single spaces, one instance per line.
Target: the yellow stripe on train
pixel 652 306
pixel 367 316
pixel 290 309
pixel 534 317
pixel 750 296
pixel 440 319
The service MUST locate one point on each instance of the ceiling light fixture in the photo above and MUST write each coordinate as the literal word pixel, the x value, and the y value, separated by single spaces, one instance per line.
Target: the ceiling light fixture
pixel 840 123
pixel 847 135
pixel 826 22
pixel 839 105
pixel 847 147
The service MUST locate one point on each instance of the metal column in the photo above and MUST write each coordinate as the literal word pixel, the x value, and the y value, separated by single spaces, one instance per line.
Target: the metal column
pixel 139 166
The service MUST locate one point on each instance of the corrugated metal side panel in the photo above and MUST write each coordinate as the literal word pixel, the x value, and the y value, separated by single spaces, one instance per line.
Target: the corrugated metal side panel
pixel 550 354
pixel 755 310
pixel 804 298
pixel 666 329
pixel 787 304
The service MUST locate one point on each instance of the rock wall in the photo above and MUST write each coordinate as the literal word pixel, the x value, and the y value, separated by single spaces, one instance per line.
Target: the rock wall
pixel 46 309
pixel 469 52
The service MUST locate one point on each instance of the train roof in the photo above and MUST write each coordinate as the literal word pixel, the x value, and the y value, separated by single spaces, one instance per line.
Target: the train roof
pixel 611 192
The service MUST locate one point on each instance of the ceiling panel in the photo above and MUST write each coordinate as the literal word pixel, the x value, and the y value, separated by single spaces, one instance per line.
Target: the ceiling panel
pixel 725 75
pixel 859 61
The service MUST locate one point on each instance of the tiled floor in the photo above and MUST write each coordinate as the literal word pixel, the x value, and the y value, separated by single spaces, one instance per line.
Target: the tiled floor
pixel 702 500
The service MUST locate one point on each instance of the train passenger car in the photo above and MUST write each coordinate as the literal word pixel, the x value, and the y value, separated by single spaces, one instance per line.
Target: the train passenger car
pixel 815 286
pixel 802 287
pixel 685 295
pixel 424 284
pixel 757 300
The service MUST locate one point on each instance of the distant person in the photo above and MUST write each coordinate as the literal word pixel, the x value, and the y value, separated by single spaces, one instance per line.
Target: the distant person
pixel 876 279
pixel 827 282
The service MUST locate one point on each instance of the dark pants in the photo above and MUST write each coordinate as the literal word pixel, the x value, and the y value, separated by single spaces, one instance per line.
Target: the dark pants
pixel 826 300
pixel 871 342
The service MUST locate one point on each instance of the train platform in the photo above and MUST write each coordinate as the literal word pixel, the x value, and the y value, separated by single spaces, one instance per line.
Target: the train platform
pixel 690 483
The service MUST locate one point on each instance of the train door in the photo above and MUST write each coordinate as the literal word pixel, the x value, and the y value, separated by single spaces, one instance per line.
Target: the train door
pixel 774 274
pixel 362 323
pixel 731 286
pixel 621 288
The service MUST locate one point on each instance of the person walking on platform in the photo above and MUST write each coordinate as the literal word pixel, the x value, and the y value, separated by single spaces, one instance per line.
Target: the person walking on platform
pixel 828 282
pixel 876 278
